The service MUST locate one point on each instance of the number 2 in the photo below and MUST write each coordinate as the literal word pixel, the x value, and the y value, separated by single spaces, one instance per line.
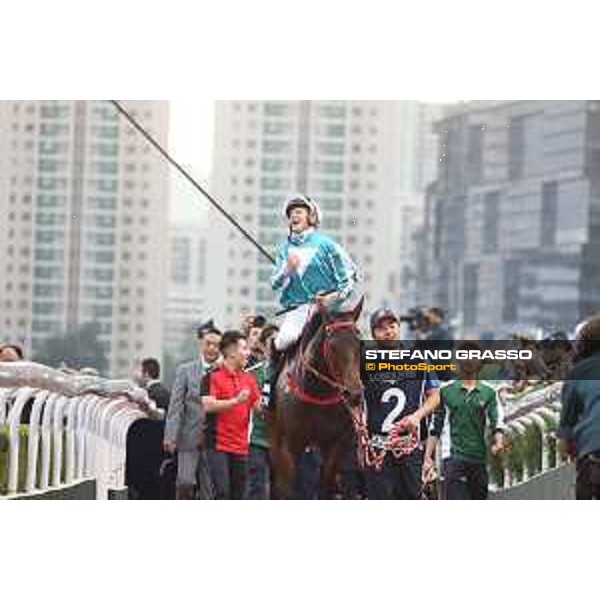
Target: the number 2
pixel 400 397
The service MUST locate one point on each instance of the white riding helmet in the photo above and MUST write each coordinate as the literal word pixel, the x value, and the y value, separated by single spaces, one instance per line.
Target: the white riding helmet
pixel 314 210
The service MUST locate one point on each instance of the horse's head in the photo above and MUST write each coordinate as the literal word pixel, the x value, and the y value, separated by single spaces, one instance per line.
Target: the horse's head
pixel 338 345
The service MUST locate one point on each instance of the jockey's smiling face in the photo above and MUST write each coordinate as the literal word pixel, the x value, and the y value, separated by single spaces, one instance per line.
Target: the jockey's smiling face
pixel 299 219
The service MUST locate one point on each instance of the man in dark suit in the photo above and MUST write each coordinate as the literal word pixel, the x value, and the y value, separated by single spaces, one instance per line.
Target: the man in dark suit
pixel 144 441
pixel 185 421
pixel 149 379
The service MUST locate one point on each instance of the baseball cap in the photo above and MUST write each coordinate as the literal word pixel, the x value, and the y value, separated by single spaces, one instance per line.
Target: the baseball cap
pixel 382 313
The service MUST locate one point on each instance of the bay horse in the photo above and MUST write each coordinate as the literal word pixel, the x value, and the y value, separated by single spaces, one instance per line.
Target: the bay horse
pixel 315 392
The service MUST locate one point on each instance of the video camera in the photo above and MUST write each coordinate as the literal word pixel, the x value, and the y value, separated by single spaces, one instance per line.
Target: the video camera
pixel 416 318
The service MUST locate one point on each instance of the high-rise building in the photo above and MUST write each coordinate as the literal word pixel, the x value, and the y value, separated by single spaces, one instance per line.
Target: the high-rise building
pixel 84 203
pixel 514 216
pixel 187 287
pixel 355 157
pixel 419 160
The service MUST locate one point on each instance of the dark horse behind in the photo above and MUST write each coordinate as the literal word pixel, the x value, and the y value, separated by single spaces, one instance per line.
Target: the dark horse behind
pixel 316 391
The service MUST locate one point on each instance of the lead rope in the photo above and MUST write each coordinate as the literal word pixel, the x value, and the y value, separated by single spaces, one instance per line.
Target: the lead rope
pixel 398 443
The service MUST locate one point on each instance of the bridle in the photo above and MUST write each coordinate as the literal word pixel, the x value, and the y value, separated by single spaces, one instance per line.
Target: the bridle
pixel 398 444
pixel 332 379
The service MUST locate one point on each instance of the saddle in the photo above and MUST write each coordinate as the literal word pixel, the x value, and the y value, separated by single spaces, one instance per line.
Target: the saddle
pixel 304 381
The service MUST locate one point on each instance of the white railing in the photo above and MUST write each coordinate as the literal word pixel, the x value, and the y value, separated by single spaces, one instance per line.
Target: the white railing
pixel 76 429
pixel 531 422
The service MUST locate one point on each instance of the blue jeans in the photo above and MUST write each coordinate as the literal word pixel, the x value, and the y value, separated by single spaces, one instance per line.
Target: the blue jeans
pixel 259 474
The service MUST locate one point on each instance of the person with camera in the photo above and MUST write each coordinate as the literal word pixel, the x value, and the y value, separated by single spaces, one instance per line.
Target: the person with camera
pixel 433 333
pixel 436 327
pixel 428 323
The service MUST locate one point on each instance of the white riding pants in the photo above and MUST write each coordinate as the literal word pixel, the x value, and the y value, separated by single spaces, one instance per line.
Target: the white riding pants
pixel 292 326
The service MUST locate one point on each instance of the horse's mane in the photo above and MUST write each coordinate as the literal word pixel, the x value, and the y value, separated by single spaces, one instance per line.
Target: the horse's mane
pixel 308 346
pixel 317 319
pixel 311 328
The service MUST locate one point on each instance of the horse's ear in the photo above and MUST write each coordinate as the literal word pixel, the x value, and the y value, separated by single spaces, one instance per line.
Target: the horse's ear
pixel 358 309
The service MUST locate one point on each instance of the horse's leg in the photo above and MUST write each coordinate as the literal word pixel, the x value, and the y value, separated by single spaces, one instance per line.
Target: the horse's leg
pixel 282 448
pixel 284 469
pixel 281 461
pixel 333 455
pixel 335 438
pixel 329 472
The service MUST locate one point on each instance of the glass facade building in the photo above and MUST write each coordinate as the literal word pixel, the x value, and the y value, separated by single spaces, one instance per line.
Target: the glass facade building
pixel 513 219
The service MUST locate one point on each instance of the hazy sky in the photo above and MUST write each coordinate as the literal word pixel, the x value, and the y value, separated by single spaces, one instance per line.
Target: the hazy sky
pixel 190 143
pixel 191 132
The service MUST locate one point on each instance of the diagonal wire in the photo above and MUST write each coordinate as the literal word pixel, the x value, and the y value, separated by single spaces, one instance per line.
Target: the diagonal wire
pixel 186 174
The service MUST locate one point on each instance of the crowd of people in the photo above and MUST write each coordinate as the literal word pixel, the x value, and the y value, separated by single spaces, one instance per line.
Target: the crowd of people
pixel 312 272
pixel 216 420
pixel 214 443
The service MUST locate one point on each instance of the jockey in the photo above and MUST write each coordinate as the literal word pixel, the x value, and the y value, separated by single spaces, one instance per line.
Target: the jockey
pixel 310 267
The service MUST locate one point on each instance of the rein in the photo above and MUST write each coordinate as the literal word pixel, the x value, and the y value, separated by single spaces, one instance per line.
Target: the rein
pixel 341 392
pixel 399 443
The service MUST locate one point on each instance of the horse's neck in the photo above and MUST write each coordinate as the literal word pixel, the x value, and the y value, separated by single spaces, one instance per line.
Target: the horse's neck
pixel 308 348
pixel 312 347
pixel 312 329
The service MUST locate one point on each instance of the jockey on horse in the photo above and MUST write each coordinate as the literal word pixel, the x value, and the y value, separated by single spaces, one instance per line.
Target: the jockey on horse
pixel 311 268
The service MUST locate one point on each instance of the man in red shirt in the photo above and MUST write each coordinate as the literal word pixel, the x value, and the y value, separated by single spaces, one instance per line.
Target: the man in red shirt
pixel 227 431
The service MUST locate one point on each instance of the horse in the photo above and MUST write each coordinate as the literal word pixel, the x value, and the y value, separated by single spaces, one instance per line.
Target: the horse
pixel 316 392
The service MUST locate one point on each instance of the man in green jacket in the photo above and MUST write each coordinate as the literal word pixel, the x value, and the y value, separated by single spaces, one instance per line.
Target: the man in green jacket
pixel 472 406
pixel 259 467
